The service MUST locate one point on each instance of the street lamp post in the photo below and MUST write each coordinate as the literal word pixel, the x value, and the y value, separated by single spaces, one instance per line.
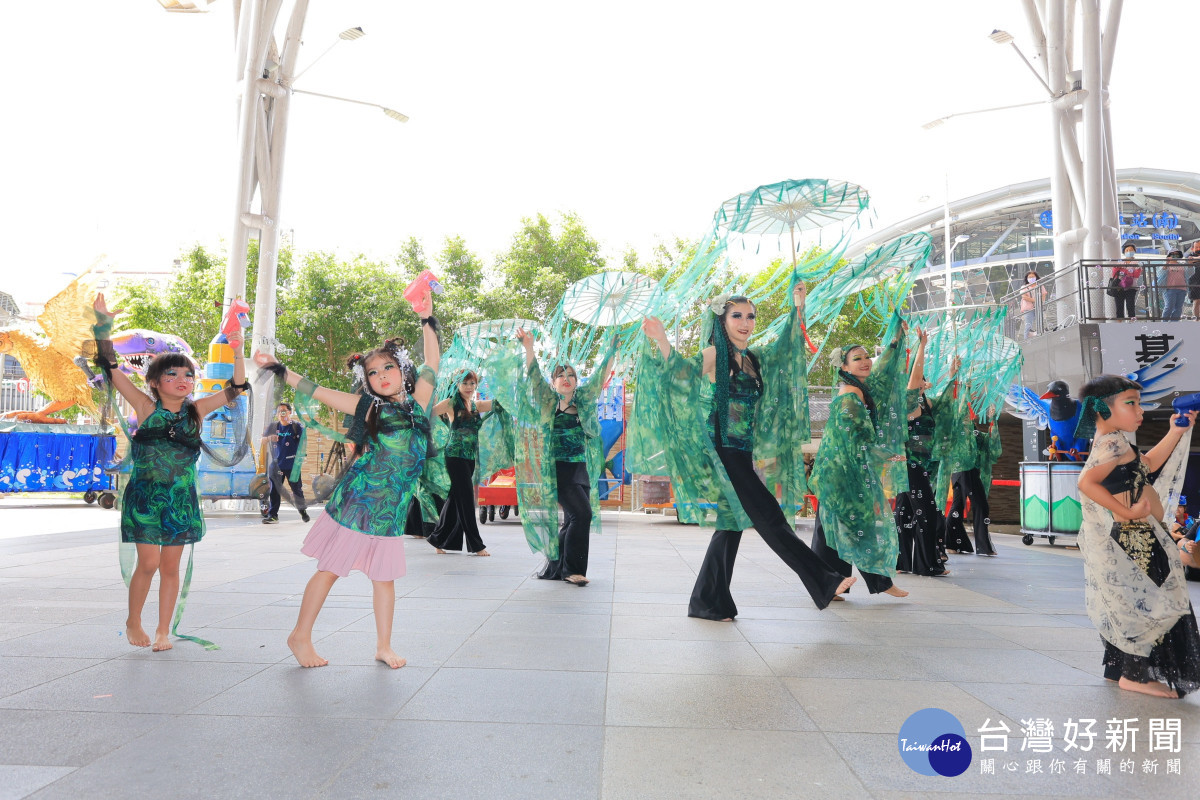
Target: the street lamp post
pixel 267 74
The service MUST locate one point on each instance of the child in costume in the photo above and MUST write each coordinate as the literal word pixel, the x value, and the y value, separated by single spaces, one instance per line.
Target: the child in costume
pixel 759 409
pixel 160 509
pixel 1136 593
pixel 859 460
pixel 362 527
pixel 465 415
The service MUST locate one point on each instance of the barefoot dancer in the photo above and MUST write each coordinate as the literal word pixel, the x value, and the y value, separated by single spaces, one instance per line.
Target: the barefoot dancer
pixel 465 414
pixel 854 523
pixel 363 524
pixel 567 450
pixel 160 510
pixel 760 408
pixel 1136 594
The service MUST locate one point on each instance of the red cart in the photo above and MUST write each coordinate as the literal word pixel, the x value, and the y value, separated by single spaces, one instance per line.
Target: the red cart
pixel 500 491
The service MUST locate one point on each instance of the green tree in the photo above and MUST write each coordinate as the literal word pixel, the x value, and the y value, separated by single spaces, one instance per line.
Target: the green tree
pixel 190 305
pixel 539 265
pixel 334 308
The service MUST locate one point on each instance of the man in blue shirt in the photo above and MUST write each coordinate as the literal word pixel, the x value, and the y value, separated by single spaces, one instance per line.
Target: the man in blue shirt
pixel 286 438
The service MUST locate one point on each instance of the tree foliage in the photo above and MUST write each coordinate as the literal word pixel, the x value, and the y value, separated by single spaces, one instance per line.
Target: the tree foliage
pixel 329 307
pixel 541 262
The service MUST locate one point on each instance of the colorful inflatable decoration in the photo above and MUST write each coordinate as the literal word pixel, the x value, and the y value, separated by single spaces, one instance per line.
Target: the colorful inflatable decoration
pixel 226 467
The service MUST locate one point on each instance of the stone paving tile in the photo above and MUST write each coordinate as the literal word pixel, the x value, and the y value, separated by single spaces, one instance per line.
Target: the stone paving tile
pixel 148 687
pixel 698 657
pixel 703 701
pixel 68 738
pixel 227 756
pixel 525 651
pixel 18 673
pixel 669 763
pixel 436 760
pixel 373 691
pixel 498 695
pixel 65 641
pixel 18 781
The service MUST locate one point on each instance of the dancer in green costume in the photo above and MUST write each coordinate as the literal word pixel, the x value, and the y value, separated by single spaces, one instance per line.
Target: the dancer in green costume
pixel 704 420
pixel 559 454
pixel 461 451
pixel 362 527
pixel 860 460
pixel 160 510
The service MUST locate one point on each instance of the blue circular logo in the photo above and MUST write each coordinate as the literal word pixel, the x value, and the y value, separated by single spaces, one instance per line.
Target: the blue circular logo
pixel 933 742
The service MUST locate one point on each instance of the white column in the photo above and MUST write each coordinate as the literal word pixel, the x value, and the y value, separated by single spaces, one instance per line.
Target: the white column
pixel 1094 159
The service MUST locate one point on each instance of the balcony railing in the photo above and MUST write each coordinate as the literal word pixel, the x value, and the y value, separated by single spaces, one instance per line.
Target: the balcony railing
pixel 1079 293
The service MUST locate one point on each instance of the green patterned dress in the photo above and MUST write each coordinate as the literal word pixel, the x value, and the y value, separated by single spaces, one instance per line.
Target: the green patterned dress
pixel 363 524
pixel 160 505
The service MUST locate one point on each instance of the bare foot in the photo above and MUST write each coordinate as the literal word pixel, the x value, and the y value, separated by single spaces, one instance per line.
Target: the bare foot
pixel 839 598
pixel 845 585
pixel 578 580
pixel 387 656
pixel 1152 688
pixel 895 591
pixel 483 553
pixel 305 653
pixel 162 641
pixel 440 550
pixel 137 636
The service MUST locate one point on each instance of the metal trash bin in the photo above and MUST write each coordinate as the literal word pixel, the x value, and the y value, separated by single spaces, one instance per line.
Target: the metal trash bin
pixel 1050 504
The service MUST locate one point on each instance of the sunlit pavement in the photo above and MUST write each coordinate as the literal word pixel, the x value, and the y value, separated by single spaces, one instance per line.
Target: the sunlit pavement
pixel 523 688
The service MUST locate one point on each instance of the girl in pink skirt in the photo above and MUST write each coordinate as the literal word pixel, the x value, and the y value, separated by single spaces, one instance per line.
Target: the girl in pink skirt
pixel 362 527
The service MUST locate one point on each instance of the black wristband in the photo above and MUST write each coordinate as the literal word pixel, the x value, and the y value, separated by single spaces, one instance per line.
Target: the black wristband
pixel 276 368
pixel 431 321
pixel 241 387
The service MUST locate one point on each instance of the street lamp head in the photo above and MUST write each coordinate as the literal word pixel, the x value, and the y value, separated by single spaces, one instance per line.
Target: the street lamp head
pixel 350 34
pixel 1000 37
pixel 937 123
pixel 396 115
pixel 184 6
pixel 962 237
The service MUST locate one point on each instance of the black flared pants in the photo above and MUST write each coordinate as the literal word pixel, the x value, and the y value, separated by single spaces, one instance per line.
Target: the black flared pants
pixel 919 524
pixel 875 583
pixel 457 520
pixel 968 484
pixel 574 496
pixel 711 598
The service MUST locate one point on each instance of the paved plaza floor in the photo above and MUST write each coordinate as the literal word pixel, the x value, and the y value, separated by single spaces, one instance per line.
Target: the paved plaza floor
pixel 523 688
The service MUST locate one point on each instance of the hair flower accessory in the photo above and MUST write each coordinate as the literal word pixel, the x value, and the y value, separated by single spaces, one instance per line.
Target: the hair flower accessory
pixel 718 303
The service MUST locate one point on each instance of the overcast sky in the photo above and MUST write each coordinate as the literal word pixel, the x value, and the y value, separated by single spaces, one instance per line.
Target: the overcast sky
pixel 639 116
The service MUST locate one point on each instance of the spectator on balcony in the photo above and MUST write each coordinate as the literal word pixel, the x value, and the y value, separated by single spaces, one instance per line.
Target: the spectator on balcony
pixel 1126 274
pixel 1029 293
pixel 1175 289
pixel 1193 258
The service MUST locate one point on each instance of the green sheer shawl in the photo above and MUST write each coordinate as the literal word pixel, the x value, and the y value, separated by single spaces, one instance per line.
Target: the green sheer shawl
pixel 668 431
